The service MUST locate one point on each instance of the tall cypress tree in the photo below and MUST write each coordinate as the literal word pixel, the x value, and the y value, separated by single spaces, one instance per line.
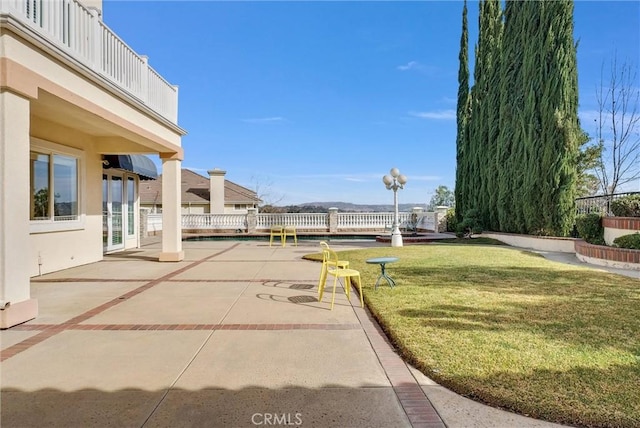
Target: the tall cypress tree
pixel 548 121
pixel 560 127
pixel 526 121
pixel 476 118
pixel 483 126
pixel 510 97
pixel 462 142
pixel 517 155
pixel 492 112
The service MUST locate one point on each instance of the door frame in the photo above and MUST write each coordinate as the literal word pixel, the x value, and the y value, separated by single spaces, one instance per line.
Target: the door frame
pixel 107 215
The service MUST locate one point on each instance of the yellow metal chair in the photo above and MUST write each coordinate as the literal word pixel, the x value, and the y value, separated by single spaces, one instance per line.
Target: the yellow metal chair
pixel 289 231
pixel 277 231
pixel 333 269
pixel 342 264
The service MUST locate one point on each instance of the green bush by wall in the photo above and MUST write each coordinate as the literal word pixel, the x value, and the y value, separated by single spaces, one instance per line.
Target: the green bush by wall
pixel 590 228
pixel 627 206
pixel 631 241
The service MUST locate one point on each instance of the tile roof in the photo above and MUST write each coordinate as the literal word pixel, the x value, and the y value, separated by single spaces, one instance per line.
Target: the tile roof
pixel 195 190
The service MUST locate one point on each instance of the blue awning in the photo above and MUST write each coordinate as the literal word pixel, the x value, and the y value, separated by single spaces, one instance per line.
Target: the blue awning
pixel 138 164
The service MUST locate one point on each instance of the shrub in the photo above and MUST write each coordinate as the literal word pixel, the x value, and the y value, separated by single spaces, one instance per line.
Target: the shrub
pixel 450 217
pixel 590 228
pixel 627 206
pixel 471 223
pixel 631 241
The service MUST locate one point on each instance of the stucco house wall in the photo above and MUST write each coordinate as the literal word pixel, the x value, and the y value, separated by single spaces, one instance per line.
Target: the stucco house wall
pixel 55 101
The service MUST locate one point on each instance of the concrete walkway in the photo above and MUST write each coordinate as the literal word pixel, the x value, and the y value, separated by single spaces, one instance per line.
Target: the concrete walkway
pixel 233 336
pixel 571 259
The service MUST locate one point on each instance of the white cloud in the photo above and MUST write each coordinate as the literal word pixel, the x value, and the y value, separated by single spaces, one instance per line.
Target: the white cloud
pixel 411 65
pixel 264 119
pixel 436 115
pixel 416 66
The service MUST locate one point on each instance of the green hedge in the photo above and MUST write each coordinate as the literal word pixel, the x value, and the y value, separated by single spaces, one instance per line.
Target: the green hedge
pixel 471 223
pixel 590 228
pixel 452 222
pixel 627 206
pixel 631 241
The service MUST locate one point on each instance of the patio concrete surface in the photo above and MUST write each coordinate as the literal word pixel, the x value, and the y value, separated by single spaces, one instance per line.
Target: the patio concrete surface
pixel 231 337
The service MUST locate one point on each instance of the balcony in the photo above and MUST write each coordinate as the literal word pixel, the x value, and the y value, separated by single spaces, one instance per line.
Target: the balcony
pixel 79 33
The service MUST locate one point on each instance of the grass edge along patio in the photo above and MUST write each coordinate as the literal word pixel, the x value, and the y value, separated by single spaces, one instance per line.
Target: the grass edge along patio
pixel 514 330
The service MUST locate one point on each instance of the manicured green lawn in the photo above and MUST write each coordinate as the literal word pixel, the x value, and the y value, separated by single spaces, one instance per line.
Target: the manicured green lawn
pixel 514 330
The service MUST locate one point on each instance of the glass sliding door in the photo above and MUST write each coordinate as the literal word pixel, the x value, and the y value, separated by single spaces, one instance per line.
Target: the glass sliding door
pixel 105 211
pixel 112 212
pixel 131 206
pixel 117 222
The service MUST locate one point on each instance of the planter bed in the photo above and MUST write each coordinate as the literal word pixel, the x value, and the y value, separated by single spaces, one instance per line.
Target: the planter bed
pixel 615 227
pixel 603 255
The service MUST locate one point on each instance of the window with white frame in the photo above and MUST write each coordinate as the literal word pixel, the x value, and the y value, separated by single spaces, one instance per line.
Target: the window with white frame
pixel 239 206
pixel 54 184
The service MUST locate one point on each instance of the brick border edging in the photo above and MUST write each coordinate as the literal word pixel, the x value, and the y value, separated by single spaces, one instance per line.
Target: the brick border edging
pixel 622 255
pixel 414 401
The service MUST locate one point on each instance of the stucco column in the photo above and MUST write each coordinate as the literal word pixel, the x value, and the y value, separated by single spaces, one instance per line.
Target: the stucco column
pixel 16 305
pixel 144 222
pixel 441 218
pixel 216 191
pixel 417 214
pixel 171 212
pixel 333 220
pixel 252 220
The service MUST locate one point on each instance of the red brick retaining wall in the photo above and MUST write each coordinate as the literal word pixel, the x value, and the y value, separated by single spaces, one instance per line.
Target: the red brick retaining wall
pixel 623 255
pixel 629 223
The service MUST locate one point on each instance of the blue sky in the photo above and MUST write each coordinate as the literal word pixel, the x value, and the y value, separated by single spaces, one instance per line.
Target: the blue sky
pixel 316 101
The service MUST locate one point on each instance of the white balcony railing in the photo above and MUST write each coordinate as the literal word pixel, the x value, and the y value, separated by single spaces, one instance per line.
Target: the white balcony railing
pixel 80 32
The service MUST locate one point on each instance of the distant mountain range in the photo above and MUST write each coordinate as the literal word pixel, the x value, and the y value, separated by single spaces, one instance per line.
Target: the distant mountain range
pixel 349 207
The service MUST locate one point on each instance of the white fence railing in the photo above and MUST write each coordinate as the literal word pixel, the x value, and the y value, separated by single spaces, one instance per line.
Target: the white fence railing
pixel 214 221
pixel 600 204
pixel 370 220
pixel 80 33
pixel 306 221
pixel 309 222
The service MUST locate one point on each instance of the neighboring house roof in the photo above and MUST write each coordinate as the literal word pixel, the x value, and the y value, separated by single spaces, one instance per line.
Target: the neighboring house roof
pixel 195 190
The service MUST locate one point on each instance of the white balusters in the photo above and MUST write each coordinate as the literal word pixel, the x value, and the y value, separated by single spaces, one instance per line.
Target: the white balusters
pixel 231 222
pixel 370 221
pixel 302 221
pixel 80 32
pixel 312 222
